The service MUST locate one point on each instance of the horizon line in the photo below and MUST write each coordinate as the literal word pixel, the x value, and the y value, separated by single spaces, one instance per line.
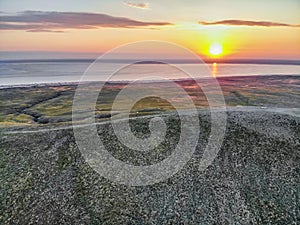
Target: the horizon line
pixel 160 61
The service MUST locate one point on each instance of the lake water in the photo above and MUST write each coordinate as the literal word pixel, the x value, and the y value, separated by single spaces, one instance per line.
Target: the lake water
pixel 35 72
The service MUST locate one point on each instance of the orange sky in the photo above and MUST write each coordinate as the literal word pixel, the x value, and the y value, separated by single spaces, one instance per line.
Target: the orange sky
pixel 238 40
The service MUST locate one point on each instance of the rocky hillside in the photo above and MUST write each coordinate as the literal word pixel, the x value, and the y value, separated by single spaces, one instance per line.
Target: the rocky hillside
pixel 254 179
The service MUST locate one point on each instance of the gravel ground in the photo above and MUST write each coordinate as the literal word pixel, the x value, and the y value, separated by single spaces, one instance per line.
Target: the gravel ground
pixel 254 179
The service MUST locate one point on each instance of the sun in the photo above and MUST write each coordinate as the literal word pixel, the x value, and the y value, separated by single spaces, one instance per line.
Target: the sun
pixel 216 49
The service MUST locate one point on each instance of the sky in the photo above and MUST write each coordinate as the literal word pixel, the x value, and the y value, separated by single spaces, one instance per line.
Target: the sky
pixel 267 29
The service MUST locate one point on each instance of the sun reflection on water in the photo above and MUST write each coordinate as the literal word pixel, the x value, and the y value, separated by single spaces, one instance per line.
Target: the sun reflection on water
pixel 214 69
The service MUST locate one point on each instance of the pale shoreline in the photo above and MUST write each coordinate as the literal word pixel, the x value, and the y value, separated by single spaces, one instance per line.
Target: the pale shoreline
pixel 74 83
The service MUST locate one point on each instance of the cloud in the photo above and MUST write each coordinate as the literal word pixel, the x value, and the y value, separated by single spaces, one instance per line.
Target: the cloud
pixel 137 5
pixel 44 30
pixel 34 21
pixel 248 23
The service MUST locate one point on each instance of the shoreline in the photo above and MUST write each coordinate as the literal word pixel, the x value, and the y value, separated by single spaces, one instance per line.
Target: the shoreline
pixel 75 83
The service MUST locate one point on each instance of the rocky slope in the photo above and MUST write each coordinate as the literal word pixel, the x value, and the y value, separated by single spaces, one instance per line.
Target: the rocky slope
pixel 254 179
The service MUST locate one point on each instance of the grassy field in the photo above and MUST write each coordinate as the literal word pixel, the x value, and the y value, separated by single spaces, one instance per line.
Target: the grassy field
pixel 53 103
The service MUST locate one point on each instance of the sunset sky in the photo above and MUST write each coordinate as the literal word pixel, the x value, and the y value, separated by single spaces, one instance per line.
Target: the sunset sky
pixel 211 28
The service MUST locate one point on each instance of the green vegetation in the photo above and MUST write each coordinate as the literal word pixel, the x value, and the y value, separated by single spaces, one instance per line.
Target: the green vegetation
pixel 53 104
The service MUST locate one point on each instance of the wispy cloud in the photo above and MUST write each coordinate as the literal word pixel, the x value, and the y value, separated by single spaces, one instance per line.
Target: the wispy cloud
pixel 137 5
pixel 41 21
pixel 248 23
pixel 44 30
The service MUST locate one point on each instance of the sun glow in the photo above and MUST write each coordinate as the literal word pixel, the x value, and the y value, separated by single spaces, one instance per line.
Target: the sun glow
pixel 215 49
